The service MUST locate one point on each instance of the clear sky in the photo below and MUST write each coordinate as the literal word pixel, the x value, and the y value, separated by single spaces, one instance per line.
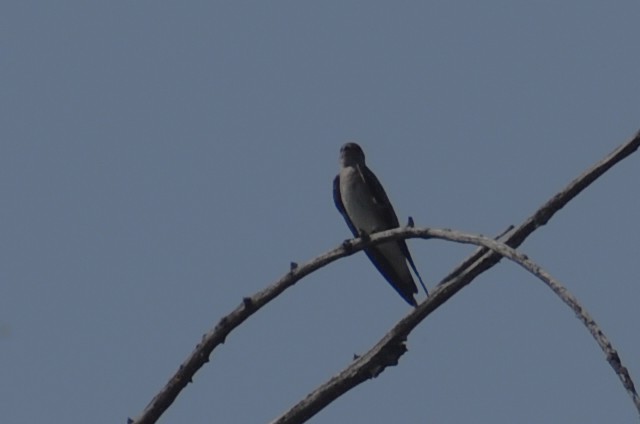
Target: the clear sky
pixel 161 160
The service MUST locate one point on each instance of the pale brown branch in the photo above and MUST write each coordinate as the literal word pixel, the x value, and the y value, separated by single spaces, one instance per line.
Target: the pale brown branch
pixel 250 305
pixel 391 347
pixel 483 259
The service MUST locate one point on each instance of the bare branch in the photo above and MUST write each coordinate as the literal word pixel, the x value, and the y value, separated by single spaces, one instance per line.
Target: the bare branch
pixel 391 347
pixel 228 323
pixel 483 260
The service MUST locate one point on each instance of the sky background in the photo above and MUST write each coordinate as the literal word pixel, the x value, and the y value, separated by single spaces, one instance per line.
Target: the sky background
pixel 161 160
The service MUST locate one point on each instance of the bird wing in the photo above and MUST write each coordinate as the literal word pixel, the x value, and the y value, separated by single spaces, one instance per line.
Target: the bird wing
pixel 405 287
pixel 379 196
pixel 383 202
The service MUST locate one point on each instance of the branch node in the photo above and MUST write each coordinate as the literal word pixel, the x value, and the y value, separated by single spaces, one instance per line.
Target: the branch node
pixel 347 245
pixel 247 302
pixel 222 323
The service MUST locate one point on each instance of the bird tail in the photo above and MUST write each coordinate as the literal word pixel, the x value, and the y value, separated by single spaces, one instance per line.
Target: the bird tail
pixel 415 270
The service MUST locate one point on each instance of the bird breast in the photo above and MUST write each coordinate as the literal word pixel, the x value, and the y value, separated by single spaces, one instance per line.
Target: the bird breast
pixel 358 201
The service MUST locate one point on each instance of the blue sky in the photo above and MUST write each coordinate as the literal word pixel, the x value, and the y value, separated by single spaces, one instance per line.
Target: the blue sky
pixel 159 161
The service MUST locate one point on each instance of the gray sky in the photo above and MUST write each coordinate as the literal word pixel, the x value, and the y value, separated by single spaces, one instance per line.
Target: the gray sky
pixel 159 161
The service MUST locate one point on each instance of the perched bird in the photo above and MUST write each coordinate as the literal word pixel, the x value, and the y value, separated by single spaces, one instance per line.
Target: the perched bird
pixel 363 203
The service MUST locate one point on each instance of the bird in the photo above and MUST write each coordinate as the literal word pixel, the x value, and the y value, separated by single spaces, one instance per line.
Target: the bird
pixel 364 205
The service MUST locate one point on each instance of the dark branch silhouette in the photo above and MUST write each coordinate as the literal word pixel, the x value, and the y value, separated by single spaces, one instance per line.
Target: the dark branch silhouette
pixel 480 261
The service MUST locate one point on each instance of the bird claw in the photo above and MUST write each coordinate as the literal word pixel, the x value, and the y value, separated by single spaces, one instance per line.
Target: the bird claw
pixel 365 236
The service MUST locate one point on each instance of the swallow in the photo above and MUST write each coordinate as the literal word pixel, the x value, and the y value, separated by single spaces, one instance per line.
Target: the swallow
pixel 363 203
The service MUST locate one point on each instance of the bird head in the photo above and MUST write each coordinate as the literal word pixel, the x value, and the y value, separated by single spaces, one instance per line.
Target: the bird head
pixel 351 154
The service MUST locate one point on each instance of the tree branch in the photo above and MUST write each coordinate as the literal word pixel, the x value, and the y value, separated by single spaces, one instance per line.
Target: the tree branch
pixel 482 260
pixel 388 350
